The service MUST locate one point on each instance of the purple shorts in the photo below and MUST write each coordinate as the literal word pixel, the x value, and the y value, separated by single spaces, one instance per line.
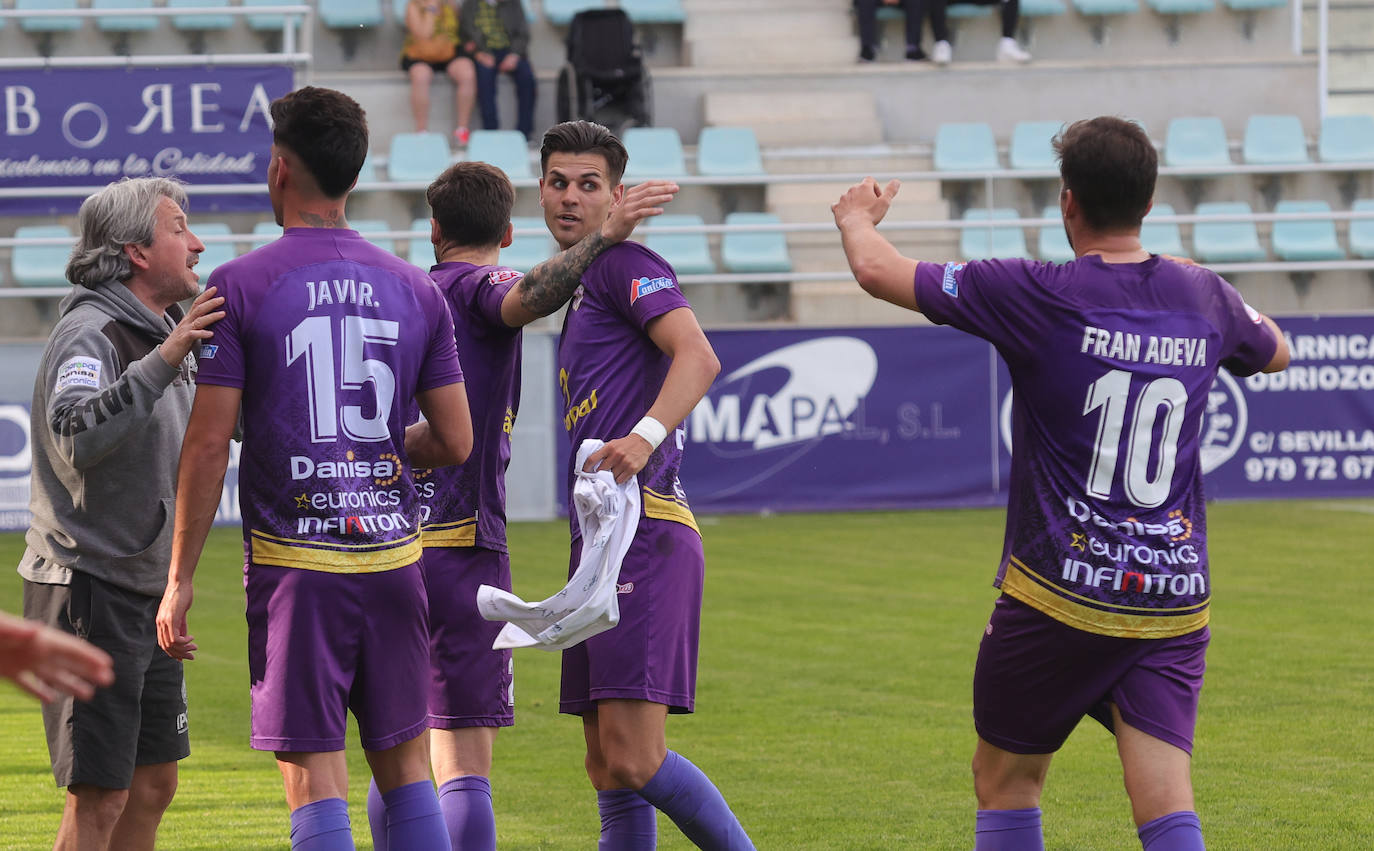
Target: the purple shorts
pixel 320 644
pixel 1036 678
pixel 470 684
pixel 652 653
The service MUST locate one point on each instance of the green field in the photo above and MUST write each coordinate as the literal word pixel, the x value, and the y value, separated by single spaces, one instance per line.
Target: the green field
pixel 833 707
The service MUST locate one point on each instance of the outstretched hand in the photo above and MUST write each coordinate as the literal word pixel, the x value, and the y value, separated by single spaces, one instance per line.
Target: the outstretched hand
pixel 637 204
pixel 47 663
pixel 865 202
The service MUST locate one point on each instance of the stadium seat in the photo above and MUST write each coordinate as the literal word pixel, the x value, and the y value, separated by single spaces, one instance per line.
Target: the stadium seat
pixel 47 25
pixel 1181 7
pixel 350 14
pixel 754 251
pixel 419 250
pixel 966 10
pixel 505 149
pixel 369 226
pixel 729 152
pixel 1042 8
pixel 1053 243
pixel 1362 230
pixel 1030 145
pixel 654 152
pixel 1346 138
pixel 200 23
pixel 269 22
pixel 688 253
pixel 417 157
pixel 1196 142
pixel 982 243
pixel 1106 7
pixel 1250 5
pixel 1226 242
pixel 124 23
pixel 215 253
pixel 40 265
pixel 1161 237
pixel 265 232
pixel 527 251
pixel 965 147
pixel 654 11
pixel 1312 239
pixel 368 173
pixel 560 12
pixel 1274 140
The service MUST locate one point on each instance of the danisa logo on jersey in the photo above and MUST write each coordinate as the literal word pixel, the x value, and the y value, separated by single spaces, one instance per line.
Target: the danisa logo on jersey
pixel 384 471
pixel 641 287
pixel 799 393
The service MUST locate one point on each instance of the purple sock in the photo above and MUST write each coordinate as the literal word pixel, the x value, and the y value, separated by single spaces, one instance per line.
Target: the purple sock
pixel 466 803
pixel 413 819
pixel 321 826
pixel 628 822
pixel 695 805
pixel 1008 830
pixel 376 816
pixel 1180 831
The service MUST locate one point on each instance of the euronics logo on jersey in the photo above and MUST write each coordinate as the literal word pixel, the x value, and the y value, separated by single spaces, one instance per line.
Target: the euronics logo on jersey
pixel 640 287
pixel 801 392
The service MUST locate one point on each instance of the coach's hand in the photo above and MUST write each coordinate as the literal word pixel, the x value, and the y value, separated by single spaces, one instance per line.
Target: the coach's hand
pixel 171 622
pixel 865 202
pixel 192 327
pixel 637 204
pixel 623 458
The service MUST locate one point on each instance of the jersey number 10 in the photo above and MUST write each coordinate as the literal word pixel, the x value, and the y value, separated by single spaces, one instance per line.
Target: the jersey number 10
pixel 313 339
pixel 1111 393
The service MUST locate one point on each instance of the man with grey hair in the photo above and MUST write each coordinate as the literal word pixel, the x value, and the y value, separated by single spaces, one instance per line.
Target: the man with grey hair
pixel 110 405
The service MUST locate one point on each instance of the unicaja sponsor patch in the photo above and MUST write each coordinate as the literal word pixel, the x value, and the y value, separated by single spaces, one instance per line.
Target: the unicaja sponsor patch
pixel 640 287
pixel 79 371
pixel 950 284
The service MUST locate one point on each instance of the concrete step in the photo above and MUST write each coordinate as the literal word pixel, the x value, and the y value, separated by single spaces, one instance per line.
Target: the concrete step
pixel 754 50
pixel 799 118
pixel 843 303
pixel 821 195
pixel 797 24
pixel 703 8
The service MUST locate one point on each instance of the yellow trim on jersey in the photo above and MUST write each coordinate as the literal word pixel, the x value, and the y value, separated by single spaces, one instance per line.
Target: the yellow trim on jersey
pixel 458 533
pixel 334 558
pixel 1023 584
pixel 662 507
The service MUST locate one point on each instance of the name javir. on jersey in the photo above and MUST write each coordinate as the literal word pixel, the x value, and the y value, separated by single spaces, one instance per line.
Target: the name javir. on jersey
pixel 640 287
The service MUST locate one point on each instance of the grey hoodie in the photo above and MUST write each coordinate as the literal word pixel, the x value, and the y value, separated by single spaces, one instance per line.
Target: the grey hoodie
pixel 107 423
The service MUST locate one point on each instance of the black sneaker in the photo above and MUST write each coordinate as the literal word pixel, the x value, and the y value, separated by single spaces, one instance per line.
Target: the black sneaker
pixel 916 54
pixel 867 54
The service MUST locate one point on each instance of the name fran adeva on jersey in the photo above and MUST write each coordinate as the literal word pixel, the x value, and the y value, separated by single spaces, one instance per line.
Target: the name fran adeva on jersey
pixel 1128 346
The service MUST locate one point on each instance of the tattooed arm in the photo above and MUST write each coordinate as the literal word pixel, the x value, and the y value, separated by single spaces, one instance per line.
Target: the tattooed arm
pixel 551 283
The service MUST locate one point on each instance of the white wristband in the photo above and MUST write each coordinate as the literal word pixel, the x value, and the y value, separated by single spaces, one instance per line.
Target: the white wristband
pixel 651 430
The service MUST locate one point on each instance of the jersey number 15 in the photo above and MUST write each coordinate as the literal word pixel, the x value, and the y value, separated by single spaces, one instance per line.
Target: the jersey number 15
pixel 313 339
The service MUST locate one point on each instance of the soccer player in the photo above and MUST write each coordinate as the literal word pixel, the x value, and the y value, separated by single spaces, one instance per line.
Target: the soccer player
pixel 633 362
pixel 464 533
pixel 326 343
pixel 110 402
pixel 1104 578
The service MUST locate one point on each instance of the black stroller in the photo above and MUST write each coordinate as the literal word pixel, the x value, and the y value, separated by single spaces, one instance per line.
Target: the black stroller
pixel 604 79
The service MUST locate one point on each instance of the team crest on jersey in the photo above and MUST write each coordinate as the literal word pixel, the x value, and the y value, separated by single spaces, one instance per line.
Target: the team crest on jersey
pixel 500 276
pixel 640 287
pixel 950 284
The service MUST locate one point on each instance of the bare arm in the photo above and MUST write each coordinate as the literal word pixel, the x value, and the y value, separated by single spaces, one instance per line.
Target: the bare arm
pixel 444 436
pixel 1279 361
pixel 878 266
pixel 694 367
pixel 550 284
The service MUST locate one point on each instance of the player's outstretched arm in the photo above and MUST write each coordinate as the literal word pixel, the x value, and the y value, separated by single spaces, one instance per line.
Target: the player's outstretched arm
pixel 550 284
pixel 878 266
pixel 444 436
pixel 1279 361
pixel 694 366
pixel 46 662
pixel 200 481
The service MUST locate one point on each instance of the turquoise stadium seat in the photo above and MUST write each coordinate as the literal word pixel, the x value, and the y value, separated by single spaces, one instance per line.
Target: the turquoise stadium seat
pixel 1362 230
pixel 1249 5
pixel 1226 242
pixel 215 253
pixel 754 251
pixel 1031 146
pixel 1053 243
pixel 983 243
pixel 417 157
pixel 347 14
pixel 40 265
pixel 265 232
pixel 688 253
pixel 965 147
pixel 369 226
pixel 1313 239
pixel 1042 8
pixel 269 22
pixel 654 152
pixel 729 152
pixel 1182 7
pixel 398 10
pixel 368 173
pixel 1106 7
pixel 526 252
pixel 125 23
pixel 196 23
pixel 419 249
pixel 654 11
pixel 1346 138
pixel 47 25
pixel 1161 237
pixel 965 10
pixel 1274 140
pixel 560 12
pixel 1196 142
pixel 505 149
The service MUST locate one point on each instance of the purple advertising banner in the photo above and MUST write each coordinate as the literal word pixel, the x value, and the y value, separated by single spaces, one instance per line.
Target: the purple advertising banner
pixel 91 126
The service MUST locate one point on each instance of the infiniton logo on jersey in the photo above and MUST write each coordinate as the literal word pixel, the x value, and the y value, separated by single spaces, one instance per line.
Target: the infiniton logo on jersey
pixel 950 284
pixel 640 287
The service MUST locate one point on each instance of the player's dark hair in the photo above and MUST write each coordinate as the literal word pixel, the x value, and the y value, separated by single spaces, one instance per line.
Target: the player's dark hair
pixel 472 201
pixel 1110 166
pixel 327 130
pixel 585 137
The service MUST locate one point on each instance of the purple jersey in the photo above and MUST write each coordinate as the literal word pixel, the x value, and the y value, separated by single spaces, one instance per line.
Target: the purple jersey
pixel 1110 365
pixel 313 336
pixel 467 504
pixel 610 372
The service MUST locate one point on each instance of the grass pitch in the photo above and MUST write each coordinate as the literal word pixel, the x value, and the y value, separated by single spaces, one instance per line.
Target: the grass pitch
pixel 833 705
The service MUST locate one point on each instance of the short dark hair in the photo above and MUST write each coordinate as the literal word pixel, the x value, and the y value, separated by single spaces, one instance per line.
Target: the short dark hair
pixel 585 137
pixel 472 201
pixel 327 130
pixel 1110 166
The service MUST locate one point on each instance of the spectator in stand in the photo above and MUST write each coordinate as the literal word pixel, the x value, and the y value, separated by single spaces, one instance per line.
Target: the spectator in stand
pixel 1008 50
pixel 867 13
pixel 432 45
pixel 497 35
